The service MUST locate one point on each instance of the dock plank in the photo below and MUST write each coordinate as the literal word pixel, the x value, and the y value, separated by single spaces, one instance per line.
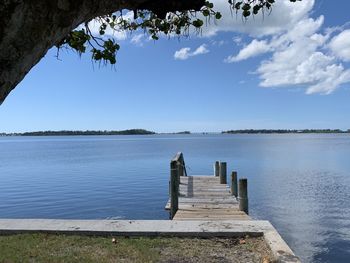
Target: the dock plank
pixel 204 198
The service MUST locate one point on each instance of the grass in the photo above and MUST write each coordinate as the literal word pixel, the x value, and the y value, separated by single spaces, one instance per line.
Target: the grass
pixel 67 248
pixel 61 248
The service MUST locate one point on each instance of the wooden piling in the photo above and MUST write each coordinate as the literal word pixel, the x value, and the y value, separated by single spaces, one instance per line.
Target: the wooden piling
pixel 243 195
pixel 216 168
pixel 234 185
pixel 180 167
pixel 174 188
pixel 223 173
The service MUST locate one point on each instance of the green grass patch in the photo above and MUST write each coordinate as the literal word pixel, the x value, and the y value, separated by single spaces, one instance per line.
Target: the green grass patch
pixel 69 248
pixel 62 248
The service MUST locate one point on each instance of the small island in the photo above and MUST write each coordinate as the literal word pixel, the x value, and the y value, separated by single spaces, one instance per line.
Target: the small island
pixel 72 133
pixel 183 132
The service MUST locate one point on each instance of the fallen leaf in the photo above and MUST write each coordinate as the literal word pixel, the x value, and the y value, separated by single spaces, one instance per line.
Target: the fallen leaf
pixel 241 241
pixel 266 260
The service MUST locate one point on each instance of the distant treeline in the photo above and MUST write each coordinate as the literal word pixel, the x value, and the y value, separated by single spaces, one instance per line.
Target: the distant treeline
pixel 267 131
pixel 172 133
pixel 182 132
pixel 64 132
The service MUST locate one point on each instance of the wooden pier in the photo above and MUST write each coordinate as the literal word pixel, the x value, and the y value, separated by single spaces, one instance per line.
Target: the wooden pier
pixel 205 197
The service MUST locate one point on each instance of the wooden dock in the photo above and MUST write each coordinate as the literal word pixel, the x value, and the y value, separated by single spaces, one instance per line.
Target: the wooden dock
pixel 205 197
pixel 209 200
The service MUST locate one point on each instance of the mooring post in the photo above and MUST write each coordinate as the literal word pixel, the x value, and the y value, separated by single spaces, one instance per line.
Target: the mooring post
pixel 216 168
pixel 243 195
pixel 180 168
pixel 174 189
pixel 223 173
pixel 234 183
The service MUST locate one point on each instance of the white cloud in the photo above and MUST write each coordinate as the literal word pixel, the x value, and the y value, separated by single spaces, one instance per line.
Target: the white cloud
pixel 283 16
pixel 137 39
pixel 301 60
pixel 300 55
pixel 202 49
pixel 253 49
pixel 340 45
pixel 237 40
pixel 218 43
pixel 185 53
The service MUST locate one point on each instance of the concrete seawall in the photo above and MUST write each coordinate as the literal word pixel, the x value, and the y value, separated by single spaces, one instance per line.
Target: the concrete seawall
pixel 226 228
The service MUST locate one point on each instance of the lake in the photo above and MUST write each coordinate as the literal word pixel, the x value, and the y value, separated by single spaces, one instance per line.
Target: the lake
pixel 299 182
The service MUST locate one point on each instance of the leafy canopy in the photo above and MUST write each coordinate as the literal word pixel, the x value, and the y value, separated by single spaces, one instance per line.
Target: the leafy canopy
pixel 104 48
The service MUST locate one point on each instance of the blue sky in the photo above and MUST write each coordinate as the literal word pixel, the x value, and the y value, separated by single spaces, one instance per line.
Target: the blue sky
pixel 289 70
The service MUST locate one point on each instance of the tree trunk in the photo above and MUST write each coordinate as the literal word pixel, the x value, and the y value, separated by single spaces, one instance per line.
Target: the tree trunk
pixel 29 28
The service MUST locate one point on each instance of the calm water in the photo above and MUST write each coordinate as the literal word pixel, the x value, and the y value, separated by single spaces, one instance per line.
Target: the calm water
pixel 301 183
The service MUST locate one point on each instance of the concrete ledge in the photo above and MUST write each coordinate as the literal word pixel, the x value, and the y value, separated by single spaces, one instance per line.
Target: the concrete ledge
pixel 230 228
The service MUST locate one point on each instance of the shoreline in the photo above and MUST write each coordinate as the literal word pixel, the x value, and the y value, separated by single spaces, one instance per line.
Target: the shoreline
pixel 139 131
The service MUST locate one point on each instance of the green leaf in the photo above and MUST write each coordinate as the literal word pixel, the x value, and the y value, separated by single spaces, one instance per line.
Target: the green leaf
pixel 246 7
pixel 205 12
pixel 246 13
pixel 197 23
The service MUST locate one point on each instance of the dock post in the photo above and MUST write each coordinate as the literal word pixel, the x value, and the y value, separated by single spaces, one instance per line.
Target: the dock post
pixel 180 169
pixel 223 173
pixel 243 195
pixel 216 168
pixel 234 183
pixel 174 189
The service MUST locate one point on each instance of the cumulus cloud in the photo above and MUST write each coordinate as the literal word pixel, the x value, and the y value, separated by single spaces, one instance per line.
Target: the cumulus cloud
pixel 253 49
pixel 284 16
pixel 185 53
pixel 202 49
pixel 301 55
pixel 340 45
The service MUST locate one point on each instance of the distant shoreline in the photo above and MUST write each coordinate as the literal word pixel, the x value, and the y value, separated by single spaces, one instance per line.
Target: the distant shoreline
pixel 146 132
pixel 282 131
pixel 74 133
pixel 88 132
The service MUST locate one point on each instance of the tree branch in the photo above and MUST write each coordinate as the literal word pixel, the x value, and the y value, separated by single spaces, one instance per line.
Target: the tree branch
pixel 30 28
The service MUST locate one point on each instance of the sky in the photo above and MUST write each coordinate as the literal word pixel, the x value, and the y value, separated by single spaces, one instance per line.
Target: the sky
pixel 287 70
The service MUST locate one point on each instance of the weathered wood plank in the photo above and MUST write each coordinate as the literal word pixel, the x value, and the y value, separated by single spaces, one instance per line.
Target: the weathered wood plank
pixel 204 194
pixel 204 206
pixel 212 210
pixel 204 198
pixel 222 200
pixel 216 213
pixel 180 216
pixel 206 217
pixel 225 192
pixel 211 219
pixel 204 186
pixel 209 206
